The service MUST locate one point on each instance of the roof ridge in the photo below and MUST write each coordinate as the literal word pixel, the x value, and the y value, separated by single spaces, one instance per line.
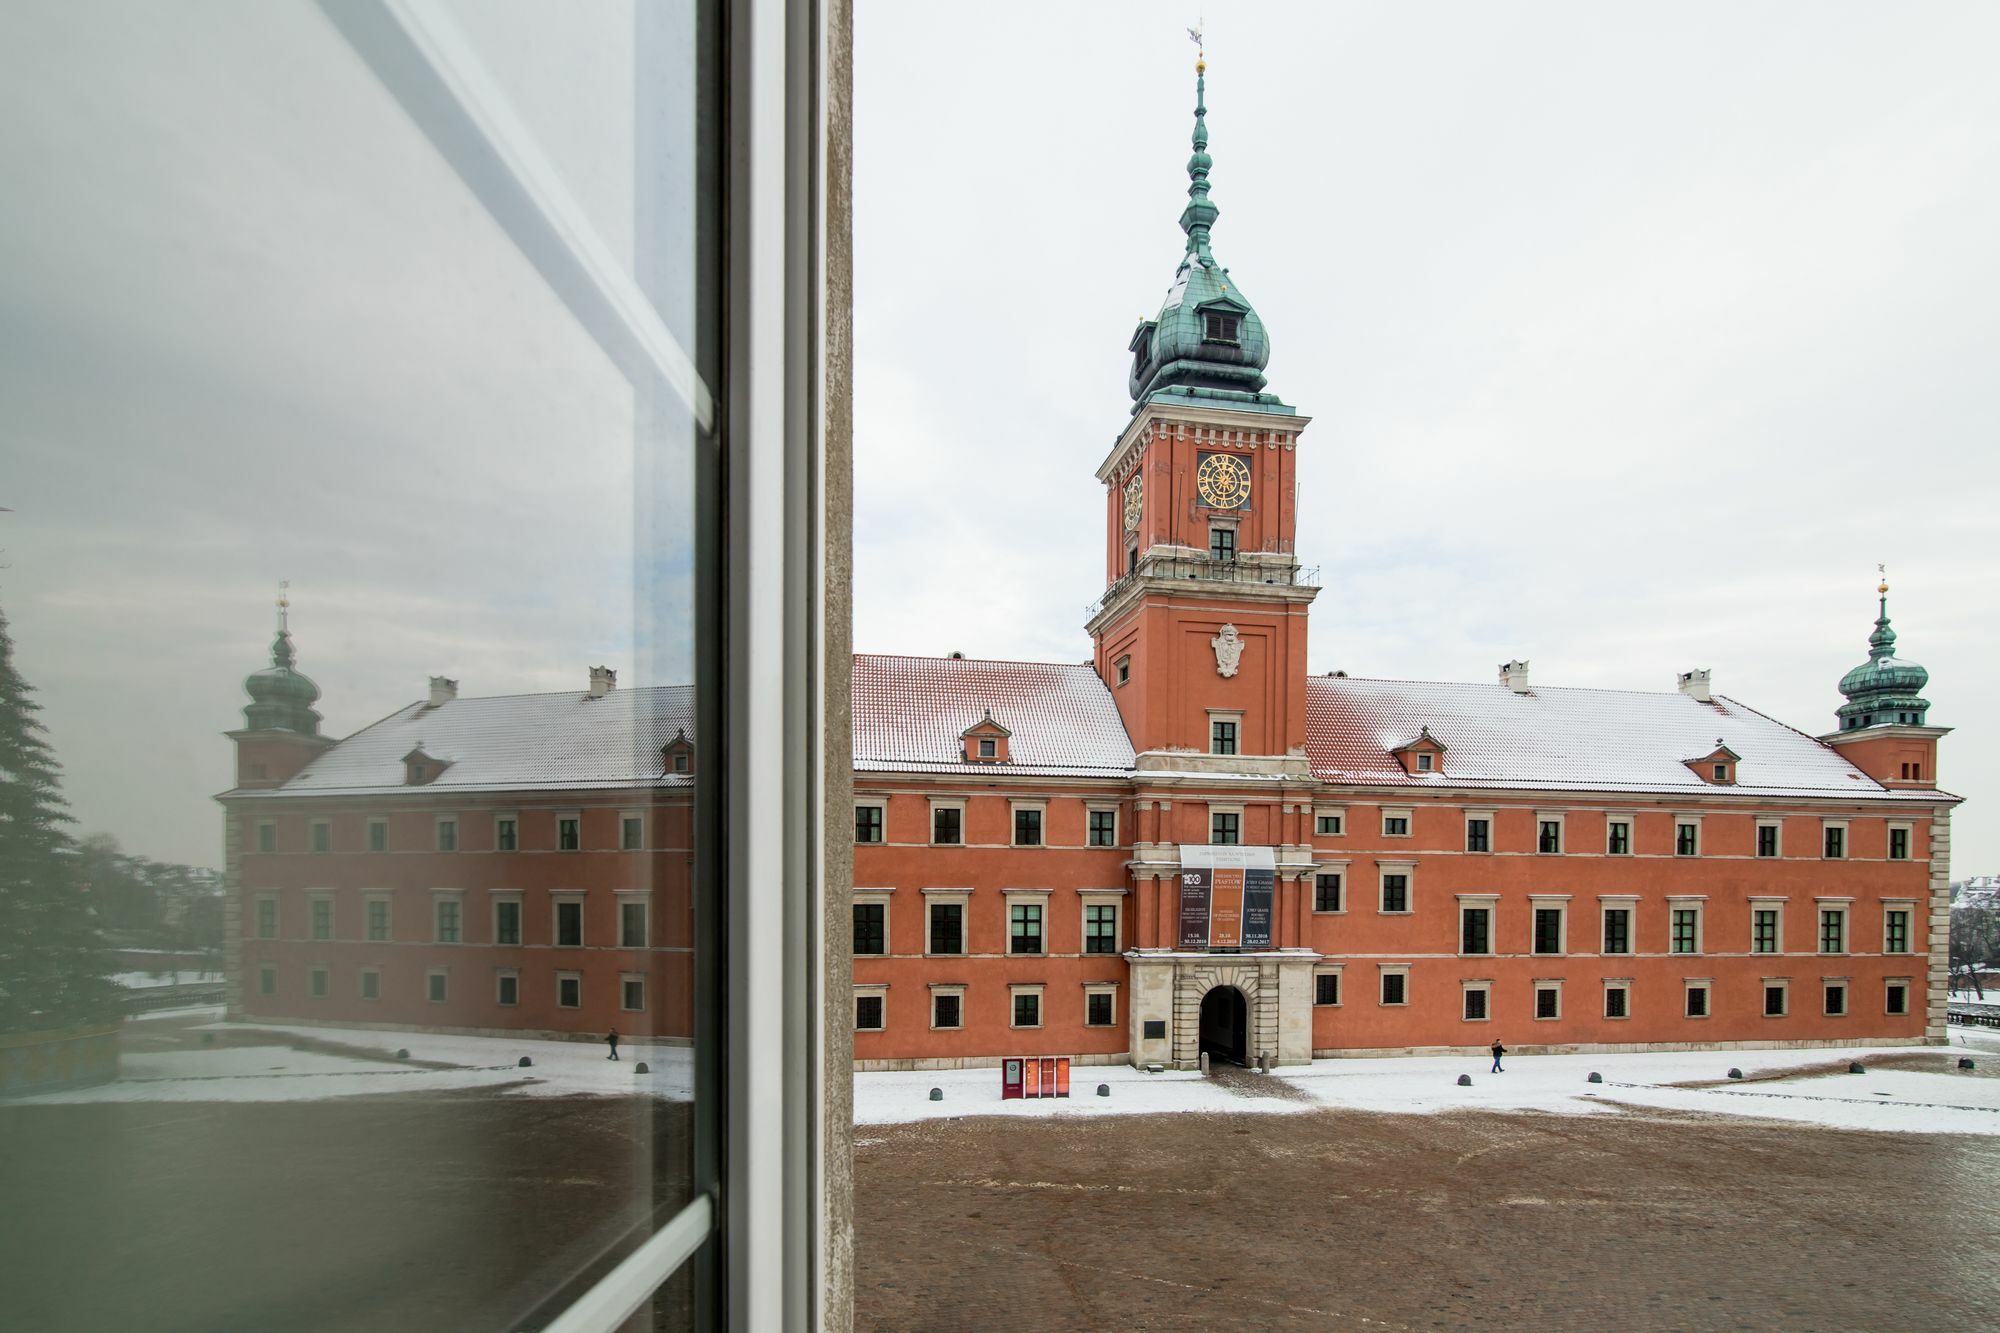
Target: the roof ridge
pixel 1780 722
pixel 1481 685
pixel 991 661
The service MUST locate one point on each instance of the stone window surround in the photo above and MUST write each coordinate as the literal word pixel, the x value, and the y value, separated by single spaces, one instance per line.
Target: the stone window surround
pixel 1406 813
pixel 625 979
pixel 1408 870
pixel 1559 819
pixel 577 817
pixel 1846 839
pixel 569 974
pixel 438 898
pixel 1548 984
pixel 1681 818
pixel 957 803
pixel 1767 823
pixel 430 992
pixel 500 974
pixel 1091 988
pixel 1340 988
pixel 1900 905
pixel 556 900
pixel 1683 902
pixel 1099 808
pixel 880 991
pixel 1843 904
pixel 1547 902
pixel 881 804
pixel 1234 715
pixel 1907 983
pixel 1707 986
pixel 272 897
pixel 387 897
pixel 1619 984
pixel 495 898
pixel 623 816
pixel 1485 987
pixel 1608 903
pixel 313 826
pixel 1492 822
pixel 438 825
pixel 1346 882
pixel 963 899
pixel 1089 898
pixel 1383 970
pixel 500 817
pixel 258 844
pixel 1490 903
pixel 1215 808
pixel 937 988
pixel 1759 902
pixel 1036 989
pixel 314 897
pixel 644 897
pixel 1781 983
pixel 1322 811
pixel 1846 985
pixel 361 985
pixel 1015 805
pixel 1909 840
pixel 874 898
pixel 1629 818
pixel 1035 897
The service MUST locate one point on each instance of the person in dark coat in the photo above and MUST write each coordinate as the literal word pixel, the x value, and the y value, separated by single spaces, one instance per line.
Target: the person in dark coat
pixel 611 1040
pixel 1498 1051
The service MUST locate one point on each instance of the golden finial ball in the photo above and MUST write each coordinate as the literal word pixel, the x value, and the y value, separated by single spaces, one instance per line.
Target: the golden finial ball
pixel 1201 66
pixel 1882 587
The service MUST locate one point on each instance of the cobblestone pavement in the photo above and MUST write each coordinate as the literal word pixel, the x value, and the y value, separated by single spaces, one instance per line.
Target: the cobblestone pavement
pixel 1339 1220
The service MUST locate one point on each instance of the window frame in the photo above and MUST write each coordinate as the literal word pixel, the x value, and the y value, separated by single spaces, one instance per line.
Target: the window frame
pixel 1092 814
pixel 1678 903
pixel 1029 814
pixel 1404 814
pixel 1538 904
pixel 880 903
pixel 1547 986
pixel 623 899
pixel 1841 910
pixel 568 898
pixel 1324 970
pixel 1628 906
pixel 1024 903
pixel 1386 972
pixel 370 900
pixel 948 805
pixel 1100 990
pixel 1225 825
pixel 1486 905
pixel 364 975
pixel 1776 828
pixel 1908 836
pixel 1775 906
pixel 960 899
pixel 1484 818
pixel 1407 871
pixel 626 821
pixel 627 980
pixel 1833 840
pixel 569 976
pixel 506 831
pixel 569 828
pixel 879 825
pixel 454 900
pixel 495 900
pixel 1612 825
pixel 1549 828
pixel 947 991
pixel 1907 909
pixel 1484 990
pixel 1025 990
pixel 1782 985
pixel 1689 986
pixel 317 899
pixel 1337 871
pixel 1903 984
pixel 1621 987
pixel 444 833
pixel 1687 836
pixel 319 836
pixel 1089 902
pixel 1336 813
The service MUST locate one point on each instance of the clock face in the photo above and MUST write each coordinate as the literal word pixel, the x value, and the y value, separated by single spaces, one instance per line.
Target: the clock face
pixel 1224 481
pixel 1135 501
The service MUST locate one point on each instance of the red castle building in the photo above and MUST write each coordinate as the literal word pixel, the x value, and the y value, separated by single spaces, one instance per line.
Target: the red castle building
pixel 1186 845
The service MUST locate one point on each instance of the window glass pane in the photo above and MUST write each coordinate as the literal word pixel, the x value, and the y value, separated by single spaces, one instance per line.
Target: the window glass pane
pixel 265 322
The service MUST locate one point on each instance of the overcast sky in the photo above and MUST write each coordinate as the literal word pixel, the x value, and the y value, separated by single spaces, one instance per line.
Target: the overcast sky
pixel 1633 336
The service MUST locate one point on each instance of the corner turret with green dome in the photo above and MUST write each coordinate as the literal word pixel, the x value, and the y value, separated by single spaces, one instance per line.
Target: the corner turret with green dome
pixel 1207 344
pixel 281 697
pixel 1885 690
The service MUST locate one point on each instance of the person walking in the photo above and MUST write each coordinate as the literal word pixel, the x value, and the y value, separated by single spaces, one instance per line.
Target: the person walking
pixel 611 1040
pixel 1498 1051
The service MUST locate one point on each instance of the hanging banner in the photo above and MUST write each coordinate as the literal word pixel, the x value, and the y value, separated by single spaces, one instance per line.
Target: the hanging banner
pixel 1227 896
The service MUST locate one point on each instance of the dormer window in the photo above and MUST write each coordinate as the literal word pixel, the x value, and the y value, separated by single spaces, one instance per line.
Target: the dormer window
pixel 1424 754
pixel 1717 767
pixel 985 741
pixel 677 755
pixel 1220 327
pixel 421 769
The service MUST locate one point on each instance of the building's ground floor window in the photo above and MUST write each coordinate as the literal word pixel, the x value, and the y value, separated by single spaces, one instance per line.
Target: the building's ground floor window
pixel 1896 997
pixel 1326 988
pixel 569 990
pixel 1099 1009
pixel 1617 999
pixel 1027 1009
pixel 267 980
pixel 632 994
pixel 1326 891
pixel 1697 1000
pixel 1548 1001
pixel 507 988
pixel 437 986
pixel 371 984
pixel 867 1013
pixel 320 982
pixel 1474 1008
pixel 1395 988
pixel 1774 999
pixel 1836 998
pixel 948 1010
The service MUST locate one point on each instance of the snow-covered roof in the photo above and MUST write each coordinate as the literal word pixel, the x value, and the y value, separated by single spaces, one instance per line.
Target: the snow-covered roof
pixel 513 742
pixel 910 714
pixel 1565 739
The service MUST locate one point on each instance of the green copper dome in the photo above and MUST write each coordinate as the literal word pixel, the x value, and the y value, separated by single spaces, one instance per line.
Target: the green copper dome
pixel 1884 690
pixel 281 698
pixel 1207 343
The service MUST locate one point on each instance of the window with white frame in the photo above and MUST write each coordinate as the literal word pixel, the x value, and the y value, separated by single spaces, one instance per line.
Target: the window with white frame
pixel 871 924
pixel 1687 837
pixel 377 924
pixel 1694 1002
pixel 1896 996
pixel 506 833
pixel 1833 997
pixel 1395 984
pixel 1548 999
pixel 1475 1001
pixel 1549 834
pixel 1833 840
pixel 1024 925
pixel 1100 1006
pixel 1396 823
pixel 1896 919
pixel 1225 826
pixel 1775 997
pixel 319 982
pixel 1395 890
pixel 321 834
pixel 1326 986
pixel 1475 922
pixel 1222 732
pixel 267 979
pixel 1617 835
pixel 948 823
pixel 634 924
pixel 447 916
pixel 267 916
pixel 945 924
pixel 1618 999
pixel 1479 830
pixel 1899 842
pixel 1028 823
pixel 1616 936
pixel 447 833
pixel 319 915
pixel 368 982
pixel 568 909
pixel 506 918
pixel 569 990
pixel 437 985
pixel 267 837
pixel 1767 925
pixel 1770 836
pixel 1832 927
pixel 1103 826
pixel 1683 926
pixel 1100 924
pixel 869 817
pixel 1026 1004
pixel 507 987
pixel 378 835
pixel 947 1008
pixel 631 831
pixel 569 831
pixel 1550 924
pixel 632 992
pixel 1329 823
pixel 1329 885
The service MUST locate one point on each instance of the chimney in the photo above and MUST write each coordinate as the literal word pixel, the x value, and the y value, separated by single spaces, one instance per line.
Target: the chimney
pixel 603 680
pixel 443 691
pixel 1514 675
pixel 1694 684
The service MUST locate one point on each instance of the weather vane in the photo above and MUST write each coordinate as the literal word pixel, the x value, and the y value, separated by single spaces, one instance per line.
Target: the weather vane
pixel 1194 35
pixel 1883 571
pixel 284 601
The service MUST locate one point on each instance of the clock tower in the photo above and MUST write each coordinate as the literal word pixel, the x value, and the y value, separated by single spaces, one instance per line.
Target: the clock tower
pixel 1201 632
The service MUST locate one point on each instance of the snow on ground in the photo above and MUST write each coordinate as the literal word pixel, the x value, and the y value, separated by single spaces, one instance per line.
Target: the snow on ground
pixel 271 1070
pixel 1944 1102
pixel 187 976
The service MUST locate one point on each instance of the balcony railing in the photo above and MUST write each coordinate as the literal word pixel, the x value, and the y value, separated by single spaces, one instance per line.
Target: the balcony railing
pixel 1206 569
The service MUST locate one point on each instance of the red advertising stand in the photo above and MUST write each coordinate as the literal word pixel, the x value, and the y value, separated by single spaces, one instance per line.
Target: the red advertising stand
pixel 1034 1076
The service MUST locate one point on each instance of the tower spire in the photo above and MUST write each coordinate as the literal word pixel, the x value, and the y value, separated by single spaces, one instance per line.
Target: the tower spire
pixel 1200 214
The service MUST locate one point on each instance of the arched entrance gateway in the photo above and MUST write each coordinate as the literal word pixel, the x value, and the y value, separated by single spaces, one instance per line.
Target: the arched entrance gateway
pixel 1225 1025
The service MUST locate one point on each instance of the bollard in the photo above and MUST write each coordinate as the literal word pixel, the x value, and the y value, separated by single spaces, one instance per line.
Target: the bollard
pixel 1596 1077
pixel 1855 1067
pixel 642 1068
pixel 525 1063
pixel 1203 1061
pixel 1964 1063
pixel 1736 1073
pixel 1104 1089
pixel 1465 1080
pixel 937 1094
pixel 1264 1062
pixel 208 1039
pixel 403 1053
